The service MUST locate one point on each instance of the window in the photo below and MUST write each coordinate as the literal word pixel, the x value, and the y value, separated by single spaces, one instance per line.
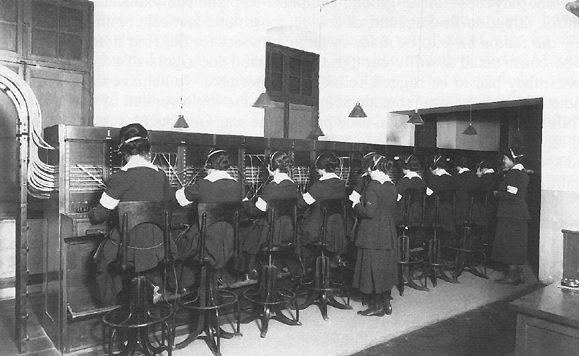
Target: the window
pixel 291 75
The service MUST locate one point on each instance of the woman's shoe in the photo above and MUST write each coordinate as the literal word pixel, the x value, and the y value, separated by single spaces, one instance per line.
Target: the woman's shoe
pixel 511 277
pixel 370 309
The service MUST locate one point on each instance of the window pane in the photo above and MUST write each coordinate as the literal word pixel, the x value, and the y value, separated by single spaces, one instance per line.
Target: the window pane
pixel 70 46
pixel 307 68
pixel 44 15
pixel 9 10
pixel 44 43
pixel 307 87
pixel 71 20
pixel 294 85
pixel 8 37
pixel 295 66
pixel 277 62
pixel 276 82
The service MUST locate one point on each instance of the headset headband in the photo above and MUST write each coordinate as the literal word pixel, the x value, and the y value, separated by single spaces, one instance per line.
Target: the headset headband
pixel 407 159
pixel 376 159
pixel 514 155
pixel 368 154
pixel 272 155
pixel 129 140
pixel 211 154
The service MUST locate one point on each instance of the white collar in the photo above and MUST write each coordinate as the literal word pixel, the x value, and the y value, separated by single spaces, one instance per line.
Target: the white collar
pixel 280 177
pixel 329 175
pixel 380 177
pixel 218 175
pixel 461 170
pixel 440 172
pixel 518 166
pixel 138 161
pixel 489 171
pixel 412 174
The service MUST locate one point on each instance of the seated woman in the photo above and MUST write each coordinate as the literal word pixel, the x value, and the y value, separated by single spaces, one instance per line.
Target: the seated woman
pixel 138 180
pixel 328 186
pixel 281 186
pixel 411 180
pixel 440 202
pixel 217 187
pixel 466 183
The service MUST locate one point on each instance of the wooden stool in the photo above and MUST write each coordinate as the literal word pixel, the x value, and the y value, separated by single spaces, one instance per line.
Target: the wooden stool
pixel 268 299
pixel 467 251
pixel 408 260
pixel 208 300
pixel 321 288
pixel 140 314
pixel 436 265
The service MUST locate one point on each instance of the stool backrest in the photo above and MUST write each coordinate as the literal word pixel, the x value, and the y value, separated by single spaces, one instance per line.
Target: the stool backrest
pixel 134 213
pixel 212 213
pixel 277 208
pixel 442 197
pixel 329 208
pixel 412 196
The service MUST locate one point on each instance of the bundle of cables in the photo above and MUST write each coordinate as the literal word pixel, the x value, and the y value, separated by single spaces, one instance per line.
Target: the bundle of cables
pixel 41 176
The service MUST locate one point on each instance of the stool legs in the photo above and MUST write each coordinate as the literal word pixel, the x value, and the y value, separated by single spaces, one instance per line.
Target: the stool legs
pixel 268 300
pixel 464 256
pixel 404 275
pixel 136 320
pixel 207 303
pixel 322 288
pixel 435 267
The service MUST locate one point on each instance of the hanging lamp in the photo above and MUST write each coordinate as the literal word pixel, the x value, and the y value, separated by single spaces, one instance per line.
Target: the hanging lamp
pixel 263 101
pixel 415 119
pixel 470 130
pixel 181 123
pixel 357 111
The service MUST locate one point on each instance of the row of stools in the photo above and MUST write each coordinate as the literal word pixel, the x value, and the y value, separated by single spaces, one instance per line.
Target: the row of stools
pixel 470 250
pixel 130 326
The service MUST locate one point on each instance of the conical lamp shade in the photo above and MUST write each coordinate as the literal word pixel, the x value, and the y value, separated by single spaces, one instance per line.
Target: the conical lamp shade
pixel 318 132
pixel 357 111
pixel 469 130
pixel 181 123
pixel 263 101
pixel 415 119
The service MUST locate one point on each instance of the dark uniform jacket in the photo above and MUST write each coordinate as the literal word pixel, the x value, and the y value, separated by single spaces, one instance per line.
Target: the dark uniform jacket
pixel 415 211
pixel 327 187
pixel 217 187
pixel 441 185
pixel 465 184
pixel 138 180
pixel 512 194
pixel 377 227
pixel 255 236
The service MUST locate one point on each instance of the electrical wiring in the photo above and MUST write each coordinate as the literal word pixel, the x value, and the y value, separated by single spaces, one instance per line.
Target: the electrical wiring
pixel 41 176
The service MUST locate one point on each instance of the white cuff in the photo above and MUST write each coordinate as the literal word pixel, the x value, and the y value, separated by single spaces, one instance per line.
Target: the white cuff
pixel 108 202
pixel 429 191
pixel 181 199
pixel 399 197
pixel 261 204
pixel 309 199
pixel 512 190
pixel 355 196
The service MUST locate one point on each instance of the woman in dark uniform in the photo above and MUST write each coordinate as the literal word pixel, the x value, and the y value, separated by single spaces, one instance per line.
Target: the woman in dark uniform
pixel 411 180
pixel 465 183
pixel 441 191
pixel 376 269
pixel 138 180
pixel 281 186
pixel 328 186
pixel 217 187
pixel 510 245
pixel 485 208
pixel 367 162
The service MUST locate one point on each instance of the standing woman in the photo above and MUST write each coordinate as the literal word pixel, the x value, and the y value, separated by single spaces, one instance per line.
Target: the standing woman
pixel 281 186
pixel 328 186
pixel 510 245
pixel 217 187
pixel 137 180
pixel 367 163
pixel 377 262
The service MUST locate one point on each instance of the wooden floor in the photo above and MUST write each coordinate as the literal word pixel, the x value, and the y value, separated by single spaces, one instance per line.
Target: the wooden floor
pixel 470 318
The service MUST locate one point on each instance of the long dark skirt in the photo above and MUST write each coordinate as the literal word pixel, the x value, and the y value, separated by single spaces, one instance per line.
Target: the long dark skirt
pixel 376 270
pixel 510 245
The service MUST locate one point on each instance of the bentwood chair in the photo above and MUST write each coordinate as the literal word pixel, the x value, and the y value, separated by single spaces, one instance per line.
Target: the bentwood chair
pixel 268 298
pixel 208 300
pixel 138 318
